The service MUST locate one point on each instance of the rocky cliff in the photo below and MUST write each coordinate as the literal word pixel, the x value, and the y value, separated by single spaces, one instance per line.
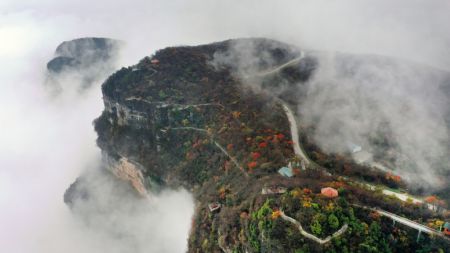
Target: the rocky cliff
pixel 87 59
pixel 184 118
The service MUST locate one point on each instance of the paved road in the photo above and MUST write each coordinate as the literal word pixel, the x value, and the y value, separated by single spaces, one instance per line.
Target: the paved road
pixel 294 133
pixel 311 236
pixel 365 158
pixel 276 69
pixel 289 63
pixel 402 196
pixel 292 122
pixel 407 222
pixel 299 152
pixel 405 197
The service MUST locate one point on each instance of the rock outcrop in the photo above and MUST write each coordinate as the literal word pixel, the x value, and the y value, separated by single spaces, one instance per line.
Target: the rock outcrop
pixel 86 59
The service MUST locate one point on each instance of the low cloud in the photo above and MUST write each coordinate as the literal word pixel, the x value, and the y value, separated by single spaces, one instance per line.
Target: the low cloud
pixel 46 143
pixel 368 99
pixel 115 215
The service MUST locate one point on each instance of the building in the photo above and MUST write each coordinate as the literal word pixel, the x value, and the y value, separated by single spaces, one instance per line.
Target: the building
pixel 329 192
pixel 447 228
pixel 286 172
pixel 214 207
pixel 273 190
pixel 354 148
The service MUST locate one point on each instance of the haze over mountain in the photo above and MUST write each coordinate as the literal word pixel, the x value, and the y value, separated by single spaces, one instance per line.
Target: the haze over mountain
pixel 382 68
pixel 86 59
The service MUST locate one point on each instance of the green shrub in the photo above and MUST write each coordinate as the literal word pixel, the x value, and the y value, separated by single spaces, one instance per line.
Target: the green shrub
pixel 333 221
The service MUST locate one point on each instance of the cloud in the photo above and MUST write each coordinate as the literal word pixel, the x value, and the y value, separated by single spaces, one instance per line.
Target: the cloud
pixel 128 223
pixel 370 100
pixel 400 99
pixel 44 145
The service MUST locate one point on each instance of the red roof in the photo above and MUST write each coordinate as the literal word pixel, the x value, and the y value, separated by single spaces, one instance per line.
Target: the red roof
pixel 329 192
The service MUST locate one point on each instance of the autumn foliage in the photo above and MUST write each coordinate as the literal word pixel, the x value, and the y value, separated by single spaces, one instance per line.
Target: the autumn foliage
pixel 276 214
pixel 395 178
pixel 255 155
pixel 252 165
pixel 262 145
pixel 222 192
pixel 307 191
pixel 236 114
pixel 431 199
pixel 280 136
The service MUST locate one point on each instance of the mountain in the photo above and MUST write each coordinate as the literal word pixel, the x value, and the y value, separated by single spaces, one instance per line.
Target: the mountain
pixel 221 125
pixel 87 58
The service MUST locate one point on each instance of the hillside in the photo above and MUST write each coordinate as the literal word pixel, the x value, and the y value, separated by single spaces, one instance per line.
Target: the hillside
pixel 191 117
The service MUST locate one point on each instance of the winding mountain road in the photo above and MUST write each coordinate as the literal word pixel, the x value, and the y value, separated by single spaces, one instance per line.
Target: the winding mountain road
pixel 311 236
pixel 280 67
pixel 299 152
pixel 294 133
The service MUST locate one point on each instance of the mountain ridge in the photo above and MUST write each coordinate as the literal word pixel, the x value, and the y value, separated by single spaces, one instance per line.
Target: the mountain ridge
pixel 186 120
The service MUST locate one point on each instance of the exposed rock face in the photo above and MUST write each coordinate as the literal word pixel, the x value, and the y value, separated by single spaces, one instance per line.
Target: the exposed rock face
pixel 88 59
pixel 129 172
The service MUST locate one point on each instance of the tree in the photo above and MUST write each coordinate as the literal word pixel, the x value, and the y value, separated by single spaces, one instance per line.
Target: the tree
pixel 162 94
pixel 333 221
pixel 375 230
pixel 316 228
pixel 255 155
pixel 252 165
pixel 439 224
